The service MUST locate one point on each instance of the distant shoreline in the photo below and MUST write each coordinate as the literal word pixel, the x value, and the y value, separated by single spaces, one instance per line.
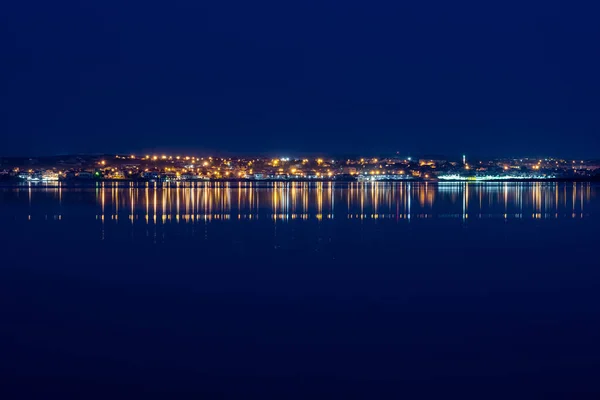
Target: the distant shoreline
pixel 94 182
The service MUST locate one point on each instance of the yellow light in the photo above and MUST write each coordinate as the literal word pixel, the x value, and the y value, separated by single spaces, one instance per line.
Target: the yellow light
pixel 178 157
pixel 155 158
pixel 205 164
pixel 187 158
pixel 319 161
pixel 132 156
pixel 164 157
pixel 293 170
pixel 103 162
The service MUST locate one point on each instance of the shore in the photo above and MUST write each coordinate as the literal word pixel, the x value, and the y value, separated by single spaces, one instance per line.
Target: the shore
pixel 20 182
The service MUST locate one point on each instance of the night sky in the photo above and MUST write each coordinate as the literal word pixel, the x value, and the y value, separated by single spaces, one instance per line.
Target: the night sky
pixel 485 78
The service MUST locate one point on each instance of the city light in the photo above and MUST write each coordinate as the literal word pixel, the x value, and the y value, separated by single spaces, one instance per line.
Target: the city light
pixel 167 168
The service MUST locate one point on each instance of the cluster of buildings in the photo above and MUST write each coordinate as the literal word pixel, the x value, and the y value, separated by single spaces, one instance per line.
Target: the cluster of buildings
pixel 190 168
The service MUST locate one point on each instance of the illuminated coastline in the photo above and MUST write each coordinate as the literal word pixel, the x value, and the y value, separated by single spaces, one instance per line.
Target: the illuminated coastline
pixel 178 168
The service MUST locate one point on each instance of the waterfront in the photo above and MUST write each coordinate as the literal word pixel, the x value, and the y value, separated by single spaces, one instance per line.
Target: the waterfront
pixel 189 169
pixel 290 290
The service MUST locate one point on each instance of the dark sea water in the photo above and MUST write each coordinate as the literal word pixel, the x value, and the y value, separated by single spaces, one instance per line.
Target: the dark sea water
pixel 295 290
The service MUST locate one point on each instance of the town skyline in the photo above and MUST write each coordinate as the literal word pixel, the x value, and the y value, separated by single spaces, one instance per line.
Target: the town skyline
pixel 172 168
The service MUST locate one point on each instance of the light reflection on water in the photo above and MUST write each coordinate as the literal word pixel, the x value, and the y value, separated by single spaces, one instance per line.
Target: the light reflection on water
pixel 185 203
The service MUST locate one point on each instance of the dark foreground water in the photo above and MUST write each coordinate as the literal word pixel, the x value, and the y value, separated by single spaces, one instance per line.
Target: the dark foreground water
pixel 300 291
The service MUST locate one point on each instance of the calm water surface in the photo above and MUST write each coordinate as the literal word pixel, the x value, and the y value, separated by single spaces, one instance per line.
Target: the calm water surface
pixel 295 290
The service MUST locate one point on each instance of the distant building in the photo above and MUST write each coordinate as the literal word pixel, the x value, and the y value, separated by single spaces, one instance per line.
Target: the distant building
pixel 431 162
pixel 150 175
pixel 169 176
pixel 85 175
pixel 23 174
pixel 189 177
pixel 116 174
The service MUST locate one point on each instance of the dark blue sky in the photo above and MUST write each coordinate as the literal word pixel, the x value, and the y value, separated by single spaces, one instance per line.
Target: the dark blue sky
pixel 486 78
